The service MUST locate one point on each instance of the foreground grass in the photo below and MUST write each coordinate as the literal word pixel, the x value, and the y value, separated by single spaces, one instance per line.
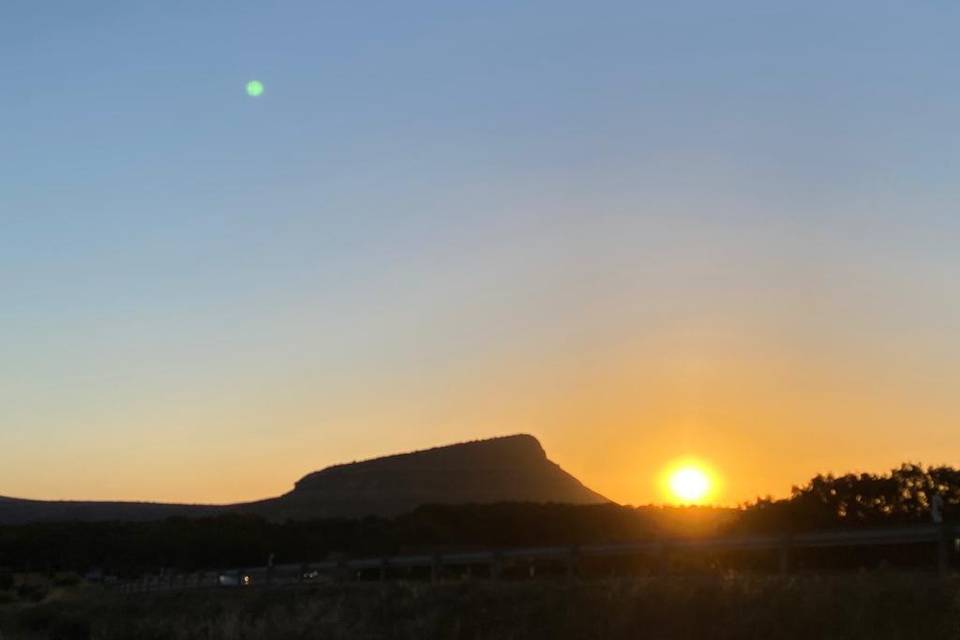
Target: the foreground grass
pixel 871 606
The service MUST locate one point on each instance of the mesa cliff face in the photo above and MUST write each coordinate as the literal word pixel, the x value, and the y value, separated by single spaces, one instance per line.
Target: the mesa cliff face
pixel 508 469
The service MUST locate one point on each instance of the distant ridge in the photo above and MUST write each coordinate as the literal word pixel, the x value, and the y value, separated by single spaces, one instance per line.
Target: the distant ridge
pixel 18 511
pixel 506 469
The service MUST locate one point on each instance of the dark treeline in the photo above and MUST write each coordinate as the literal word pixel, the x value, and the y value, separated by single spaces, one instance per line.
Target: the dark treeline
pixel 233 540
pixel 900 497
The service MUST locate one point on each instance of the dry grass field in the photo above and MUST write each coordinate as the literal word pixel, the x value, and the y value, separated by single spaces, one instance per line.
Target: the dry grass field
pixel 873 606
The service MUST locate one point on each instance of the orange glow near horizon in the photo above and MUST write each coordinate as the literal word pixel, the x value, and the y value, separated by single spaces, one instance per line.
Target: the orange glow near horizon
pixel 379 256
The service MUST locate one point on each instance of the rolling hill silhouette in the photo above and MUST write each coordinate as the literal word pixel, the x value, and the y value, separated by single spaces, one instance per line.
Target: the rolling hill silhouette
pixel 508 469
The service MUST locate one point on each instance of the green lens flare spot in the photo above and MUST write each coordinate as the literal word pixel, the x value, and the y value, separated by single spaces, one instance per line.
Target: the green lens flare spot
pixel 254 88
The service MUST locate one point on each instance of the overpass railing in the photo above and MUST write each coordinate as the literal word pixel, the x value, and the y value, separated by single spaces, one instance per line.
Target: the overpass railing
pixel 944 537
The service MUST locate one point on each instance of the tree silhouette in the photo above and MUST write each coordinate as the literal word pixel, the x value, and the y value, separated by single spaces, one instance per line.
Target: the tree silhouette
pixel 901 496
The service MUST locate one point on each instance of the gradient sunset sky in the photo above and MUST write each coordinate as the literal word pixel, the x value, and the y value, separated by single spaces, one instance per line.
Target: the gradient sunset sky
pixel 639 231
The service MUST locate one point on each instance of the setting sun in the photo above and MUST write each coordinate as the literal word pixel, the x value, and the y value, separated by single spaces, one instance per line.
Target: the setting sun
pixel 689 483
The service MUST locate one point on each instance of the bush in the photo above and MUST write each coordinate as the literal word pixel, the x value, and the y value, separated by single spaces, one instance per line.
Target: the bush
pixel 70 628
pixel 54 622
pixel 32 592
pixel 35 619
pixel 66 580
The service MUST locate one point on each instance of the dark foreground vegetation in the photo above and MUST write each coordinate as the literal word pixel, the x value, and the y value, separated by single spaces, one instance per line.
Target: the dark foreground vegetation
pixel 129 549
pixel 868 606
pixel 874 592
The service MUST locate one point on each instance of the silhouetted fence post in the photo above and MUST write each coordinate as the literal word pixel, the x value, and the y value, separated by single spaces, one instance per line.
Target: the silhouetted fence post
pixel 943 550
pixel 435 567
pixel 573 560
pixel 662 558
pixel 270 562
pixel 496 567
pixel 784 553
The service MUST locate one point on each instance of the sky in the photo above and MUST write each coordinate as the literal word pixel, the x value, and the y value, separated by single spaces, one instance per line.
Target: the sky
pixel 639 231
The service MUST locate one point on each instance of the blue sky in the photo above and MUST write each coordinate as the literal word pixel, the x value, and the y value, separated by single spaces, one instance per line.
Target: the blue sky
pixel 637 230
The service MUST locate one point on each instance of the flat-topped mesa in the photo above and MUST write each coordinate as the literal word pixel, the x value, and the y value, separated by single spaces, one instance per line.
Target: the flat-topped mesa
pixel 503 453
pixel 508 469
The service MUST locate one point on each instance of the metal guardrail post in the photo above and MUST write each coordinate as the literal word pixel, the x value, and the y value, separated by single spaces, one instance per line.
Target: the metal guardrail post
pixel 663 558
pixel 435 566
pixel 573 561
pixel 943 551
pixel 784 553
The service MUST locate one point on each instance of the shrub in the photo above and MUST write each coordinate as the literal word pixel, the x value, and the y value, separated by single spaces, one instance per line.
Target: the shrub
pixel 39 618
pixel 32 592
pixel 70 628
pixel 66 580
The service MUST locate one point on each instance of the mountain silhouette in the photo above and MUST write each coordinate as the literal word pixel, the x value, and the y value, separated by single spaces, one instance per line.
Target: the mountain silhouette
pixel 507 469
